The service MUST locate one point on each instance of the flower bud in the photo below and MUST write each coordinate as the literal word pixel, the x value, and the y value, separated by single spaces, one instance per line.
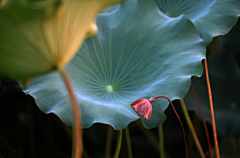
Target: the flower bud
pixel 143 107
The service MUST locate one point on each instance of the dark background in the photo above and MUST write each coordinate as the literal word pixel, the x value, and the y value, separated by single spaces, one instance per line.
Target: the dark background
pixel 26 132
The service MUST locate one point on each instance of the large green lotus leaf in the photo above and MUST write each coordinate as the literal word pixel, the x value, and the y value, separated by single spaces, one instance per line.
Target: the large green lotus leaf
pixel 224 77
pixel 211 17
pixel 138 52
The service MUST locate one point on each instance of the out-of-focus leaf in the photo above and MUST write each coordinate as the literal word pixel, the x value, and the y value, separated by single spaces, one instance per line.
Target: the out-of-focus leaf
pixel 211 17
pixel 36 37
pixel 224 77
pixel 139 52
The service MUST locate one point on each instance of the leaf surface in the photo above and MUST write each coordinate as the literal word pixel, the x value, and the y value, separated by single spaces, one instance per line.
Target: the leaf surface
pixel 138 53
pixel 211 17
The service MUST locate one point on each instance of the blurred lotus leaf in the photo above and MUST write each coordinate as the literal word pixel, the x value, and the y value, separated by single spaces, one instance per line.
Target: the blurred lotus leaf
pixel 37 37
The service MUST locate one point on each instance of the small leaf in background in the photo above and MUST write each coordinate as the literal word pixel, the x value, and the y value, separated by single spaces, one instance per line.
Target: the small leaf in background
pixel 37 37
pixel 224 77
pixel 138 53
pixel 211 17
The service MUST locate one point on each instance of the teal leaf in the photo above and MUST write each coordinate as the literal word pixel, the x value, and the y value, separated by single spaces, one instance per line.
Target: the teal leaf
pixel 224 76
pixel 211 17
pixel 138 53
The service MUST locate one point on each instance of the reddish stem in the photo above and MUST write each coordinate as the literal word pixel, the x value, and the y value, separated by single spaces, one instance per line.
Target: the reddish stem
pixel 211 110
pixel 77 131
pixel 184 137
pixel 203 120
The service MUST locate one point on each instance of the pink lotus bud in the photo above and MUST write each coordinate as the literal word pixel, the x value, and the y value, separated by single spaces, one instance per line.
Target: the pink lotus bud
pixel 143 107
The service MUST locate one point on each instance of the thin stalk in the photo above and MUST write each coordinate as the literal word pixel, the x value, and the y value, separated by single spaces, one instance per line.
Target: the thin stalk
pixel 77 130
pixel 119 144
pixel 190 141
pixel 203 120
pixel 211 110
pixel 109 141
pixel 191 128
pixel 161 141
pixel 179 119
pixel 129 146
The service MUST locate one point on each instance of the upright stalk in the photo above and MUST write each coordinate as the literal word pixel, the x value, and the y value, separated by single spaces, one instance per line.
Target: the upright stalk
pixel 129 146
pixel 211 110
pixel 161 141
pixel 203 120
pixel 191 128
pixel 77 130
pixel 119 144
pixel 109 141
pixel 179 119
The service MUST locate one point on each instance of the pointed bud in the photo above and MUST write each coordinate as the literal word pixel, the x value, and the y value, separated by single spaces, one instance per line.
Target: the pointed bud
pixel 143 107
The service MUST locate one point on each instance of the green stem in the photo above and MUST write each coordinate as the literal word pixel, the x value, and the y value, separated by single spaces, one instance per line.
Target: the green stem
pixel 77 130
pixel 191 128
pixel 128 142
pixel 119 144
pixel 161 141
pixel 109 141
